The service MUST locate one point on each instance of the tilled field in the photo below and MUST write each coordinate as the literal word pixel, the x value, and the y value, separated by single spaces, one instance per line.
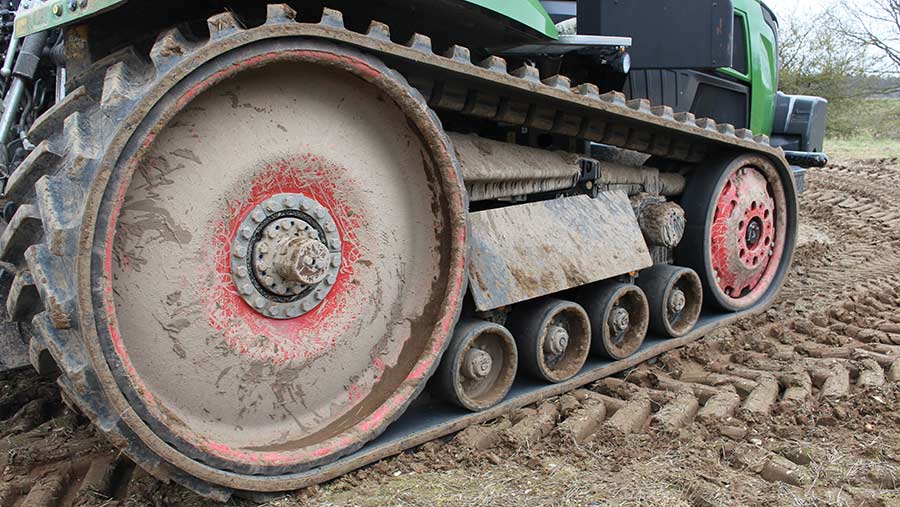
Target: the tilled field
pixel 799 406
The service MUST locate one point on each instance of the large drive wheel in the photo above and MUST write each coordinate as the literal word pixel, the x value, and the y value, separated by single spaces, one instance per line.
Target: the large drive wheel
pixel 741 223
pixel 270 263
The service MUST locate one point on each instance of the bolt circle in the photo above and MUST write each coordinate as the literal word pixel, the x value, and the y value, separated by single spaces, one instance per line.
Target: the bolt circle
pixel 286 259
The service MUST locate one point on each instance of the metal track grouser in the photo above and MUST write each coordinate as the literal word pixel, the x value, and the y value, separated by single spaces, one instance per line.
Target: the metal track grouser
pixel 276 243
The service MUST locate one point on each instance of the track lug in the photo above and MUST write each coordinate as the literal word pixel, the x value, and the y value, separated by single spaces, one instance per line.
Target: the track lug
pixel 744 134
pixel 459 53
pixel 725 128
pixel 23 299
pixel 169 47
pixel 663 112
pixel 707 124
pixel 588 90
pixel 528 73
pixel 51 120
pixel 52 280
pixel 118 86
pixel 642 105
pixel 40 357
pixel 494 64
pixel 68 358
pixel 332 18
pixel 222 25
pixel 559 82
pixel 280 13
pixel 617 98
pixel 40 161
pixel 419 42
pixel 22 231
pixel 79 136
pixel 60 203
pixel 685 117
pixel 762 139
pixel 379 30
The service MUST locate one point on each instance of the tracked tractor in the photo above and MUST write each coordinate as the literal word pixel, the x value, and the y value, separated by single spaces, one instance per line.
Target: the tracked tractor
pixel 262 245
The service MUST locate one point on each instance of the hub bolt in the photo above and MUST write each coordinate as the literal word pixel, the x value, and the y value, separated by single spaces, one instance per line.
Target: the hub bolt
pixel 619 320
pixel 477 364
pixel 677 301
pixel 557 340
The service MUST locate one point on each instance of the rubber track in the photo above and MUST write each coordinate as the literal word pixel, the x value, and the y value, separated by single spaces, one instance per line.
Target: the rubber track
pixel 50 185
pixel 683 389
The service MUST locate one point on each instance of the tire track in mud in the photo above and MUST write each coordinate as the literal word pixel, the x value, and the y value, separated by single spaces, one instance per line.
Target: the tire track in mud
pixel 833 335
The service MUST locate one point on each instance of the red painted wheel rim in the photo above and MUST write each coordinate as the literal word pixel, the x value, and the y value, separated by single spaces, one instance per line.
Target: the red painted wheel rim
pixel 747 234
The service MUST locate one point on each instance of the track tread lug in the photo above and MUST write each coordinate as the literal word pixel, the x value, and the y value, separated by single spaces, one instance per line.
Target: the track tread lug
pixel 223 24
pixel 23 230
pixel 559 82
pixel 726 128
pixel 118 88
pixel 494 64
pixel 459 53
pixel 707 124
pixel 23 300
pixel 60 202
pixel 169 47
pixel 640 105
pixel 332 18
pixel 280 14
pixel 50 122
pixel 419 42
pixel 588 90
pixel 80 139
pixel 40 161
pixel 528 73
pixel 616 98
pixel 50 275
pixel 378 30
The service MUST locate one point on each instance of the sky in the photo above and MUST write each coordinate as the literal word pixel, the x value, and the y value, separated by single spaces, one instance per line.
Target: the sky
pixel 790 8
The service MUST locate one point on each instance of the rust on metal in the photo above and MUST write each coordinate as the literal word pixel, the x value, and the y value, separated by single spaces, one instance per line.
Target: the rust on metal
pixel 523 252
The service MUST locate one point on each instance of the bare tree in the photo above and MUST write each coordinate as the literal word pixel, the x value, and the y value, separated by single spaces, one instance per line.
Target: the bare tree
pixel 874 24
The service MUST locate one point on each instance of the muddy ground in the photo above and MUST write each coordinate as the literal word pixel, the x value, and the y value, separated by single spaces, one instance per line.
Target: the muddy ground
pixel 798 406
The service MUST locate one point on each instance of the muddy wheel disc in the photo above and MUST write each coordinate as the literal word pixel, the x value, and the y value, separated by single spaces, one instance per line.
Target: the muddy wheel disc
pixel 285 263
pixel 675 297
pixel 738 237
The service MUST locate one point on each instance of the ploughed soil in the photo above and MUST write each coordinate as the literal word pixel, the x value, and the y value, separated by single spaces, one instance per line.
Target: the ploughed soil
pixel 798 406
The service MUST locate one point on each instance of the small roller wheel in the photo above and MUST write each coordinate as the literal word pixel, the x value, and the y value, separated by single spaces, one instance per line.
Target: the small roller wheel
pixel 742 217
pixel 675 296
pixel 620 316
pixel 478 369
pixel 554 338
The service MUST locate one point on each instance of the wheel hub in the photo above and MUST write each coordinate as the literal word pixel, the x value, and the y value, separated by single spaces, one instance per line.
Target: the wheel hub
pixel 478 364
pixel 677 301
pixel 744 229
pixel 557 340
pixel 286 256
pixel 619 320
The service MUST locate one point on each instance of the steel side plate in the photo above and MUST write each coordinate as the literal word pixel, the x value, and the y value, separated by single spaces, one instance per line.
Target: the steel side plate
pixel 531 250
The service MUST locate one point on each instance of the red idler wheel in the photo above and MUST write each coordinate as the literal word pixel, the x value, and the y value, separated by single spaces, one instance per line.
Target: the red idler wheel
pixel 553 337
pixel 675 298
pixel 480 366
pixel 284 259
pixel 619 316
pixel 741 223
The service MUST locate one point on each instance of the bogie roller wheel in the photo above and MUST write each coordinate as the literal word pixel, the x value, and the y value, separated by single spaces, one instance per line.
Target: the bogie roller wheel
pixel 480 366
pixel 261 259
pixel 554 338
pixel 620 317
pixel 741 227
pixel 675 297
